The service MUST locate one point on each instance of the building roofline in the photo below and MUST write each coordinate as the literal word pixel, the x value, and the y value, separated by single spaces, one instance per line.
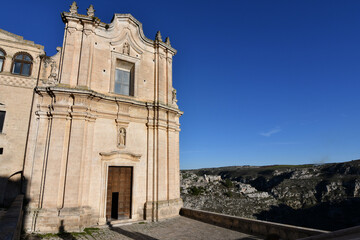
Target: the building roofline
pixel 21 39
pixel 97 21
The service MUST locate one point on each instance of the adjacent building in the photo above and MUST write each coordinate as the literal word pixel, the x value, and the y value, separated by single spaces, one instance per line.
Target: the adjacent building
pixel 92 133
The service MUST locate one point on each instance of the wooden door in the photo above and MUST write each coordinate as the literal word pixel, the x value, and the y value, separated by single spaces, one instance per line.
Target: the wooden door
pixel 118 204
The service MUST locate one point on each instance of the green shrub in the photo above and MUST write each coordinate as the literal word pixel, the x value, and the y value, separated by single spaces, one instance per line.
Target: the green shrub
pixel 185 176
pixel 228 194
pixel 196 190
pixel 228 183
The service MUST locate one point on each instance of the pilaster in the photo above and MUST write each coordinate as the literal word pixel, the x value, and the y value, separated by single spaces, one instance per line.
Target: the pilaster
pixel 86 54
pixel 71 51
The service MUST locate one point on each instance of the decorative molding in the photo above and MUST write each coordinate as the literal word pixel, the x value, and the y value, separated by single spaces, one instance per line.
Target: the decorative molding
pixel 123 108
pixel 18 81
pixel 99 96
pixel 129 39
pixel 122 154
pixel 71 30
pixel 87 32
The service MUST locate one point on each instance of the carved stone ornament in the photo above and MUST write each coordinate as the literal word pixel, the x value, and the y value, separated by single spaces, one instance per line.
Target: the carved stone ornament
pixel 91 11
pixel 126 48
pixel 167 41
pixel 87 32
pixel 53 78
pixel 158 36
pixel 71 30
pixel 121 137
pixel 174 100
pixel 73 8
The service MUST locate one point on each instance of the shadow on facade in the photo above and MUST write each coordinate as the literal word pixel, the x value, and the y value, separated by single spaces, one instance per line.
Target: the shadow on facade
pixel 63 234
pixel 10 187
pixel 329 216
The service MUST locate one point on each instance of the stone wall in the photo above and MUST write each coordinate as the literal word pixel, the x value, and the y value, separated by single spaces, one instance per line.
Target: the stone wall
pixel 251 226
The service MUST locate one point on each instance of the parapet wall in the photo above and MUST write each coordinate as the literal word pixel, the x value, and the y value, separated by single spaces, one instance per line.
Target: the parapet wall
pixel 251 226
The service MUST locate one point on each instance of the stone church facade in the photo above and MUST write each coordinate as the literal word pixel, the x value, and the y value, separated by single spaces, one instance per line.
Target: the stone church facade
pixel 97 141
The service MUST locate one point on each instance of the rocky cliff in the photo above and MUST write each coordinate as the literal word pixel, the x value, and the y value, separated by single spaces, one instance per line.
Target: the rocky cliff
pixel 318 196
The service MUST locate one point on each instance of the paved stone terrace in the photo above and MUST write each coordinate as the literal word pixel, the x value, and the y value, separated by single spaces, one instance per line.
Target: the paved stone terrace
pixel 178 228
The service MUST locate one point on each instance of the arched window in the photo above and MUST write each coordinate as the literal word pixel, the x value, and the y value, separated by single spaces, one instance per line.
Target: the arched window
pixel 22 64
pixel 2 59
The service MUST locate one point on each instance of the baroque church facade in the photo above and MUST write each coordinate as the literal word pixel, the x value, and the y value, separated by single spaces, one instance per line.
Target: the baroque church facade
pixel 91 133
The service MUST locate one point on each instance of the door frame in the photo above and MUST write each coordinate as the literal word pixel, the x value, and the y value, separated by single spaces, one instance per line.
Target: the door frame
pixel 119 158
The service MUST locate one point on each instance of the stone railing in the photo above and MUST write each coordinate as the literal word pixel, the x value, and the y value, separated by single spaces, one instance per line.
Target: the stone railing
pixel 10 223
pixel 266 229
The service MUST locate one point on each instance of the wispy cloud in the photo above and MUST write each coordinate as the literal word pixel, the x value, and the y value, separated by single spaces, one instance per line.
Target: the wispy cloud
pixel 271 132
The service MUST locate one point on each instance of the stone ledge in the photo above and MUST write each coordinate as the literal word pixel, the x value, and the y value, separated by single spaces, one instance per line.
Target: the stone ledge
pixel 251 226
pixel 347 233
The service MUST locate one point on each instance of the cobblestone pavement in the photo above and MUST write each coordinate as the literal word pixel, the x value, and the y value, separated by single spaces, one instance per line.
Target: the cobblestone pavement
pixel 178 228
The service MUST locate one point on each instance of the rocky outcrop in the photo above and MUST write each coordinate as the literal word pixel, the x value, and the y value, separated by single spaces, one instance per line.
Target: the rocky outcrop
pixel 279 193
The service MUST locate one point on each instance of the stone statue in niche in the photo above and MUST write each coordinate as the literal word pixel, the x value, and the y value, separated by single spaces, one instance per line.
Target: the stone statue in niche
pixel 122 137
pixel 126 49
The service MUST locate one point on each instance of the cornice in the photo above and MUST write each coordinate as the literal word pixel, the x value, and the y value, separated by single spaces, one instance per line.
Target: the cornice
pixel 93 94
pixel 106 156
pixel 20 39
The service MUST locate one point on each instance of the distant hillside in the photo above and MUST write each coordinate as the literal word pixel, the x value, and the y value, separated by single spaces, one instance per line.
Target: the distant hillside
pixel 318 196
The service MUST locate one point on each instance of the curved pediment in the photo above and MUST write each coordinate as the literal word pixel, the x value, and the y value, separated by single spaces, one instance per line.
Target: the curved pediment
pixel 125 23
pixel 128 18
pixel 121 154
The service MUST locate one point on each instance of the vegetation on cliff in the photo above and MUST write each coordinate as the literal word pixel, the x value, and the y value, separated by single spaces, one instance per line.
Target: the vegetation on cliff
pixel 317 196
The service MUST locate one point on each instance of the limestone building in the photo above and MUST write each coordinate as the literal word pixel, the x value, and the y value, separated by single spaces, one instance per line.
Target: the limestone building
pixel 93 131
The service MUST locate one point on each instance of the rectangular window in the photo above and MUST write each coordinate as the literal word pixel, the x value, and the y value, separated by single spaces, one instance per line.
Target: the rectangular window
pixel 2 118
pixel 122 82
pixel 124 78
pixel 1 151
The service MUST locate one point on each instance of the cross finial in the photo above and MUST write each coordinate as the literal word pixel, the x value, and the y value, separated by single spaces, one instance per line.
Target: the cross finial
pixel 158 36
pixel 91 11
pixel 73 8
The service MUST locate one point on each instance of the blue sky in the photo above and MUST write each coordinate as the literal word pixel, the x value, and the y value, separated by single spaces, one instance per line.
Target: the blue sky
pixel 260 82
